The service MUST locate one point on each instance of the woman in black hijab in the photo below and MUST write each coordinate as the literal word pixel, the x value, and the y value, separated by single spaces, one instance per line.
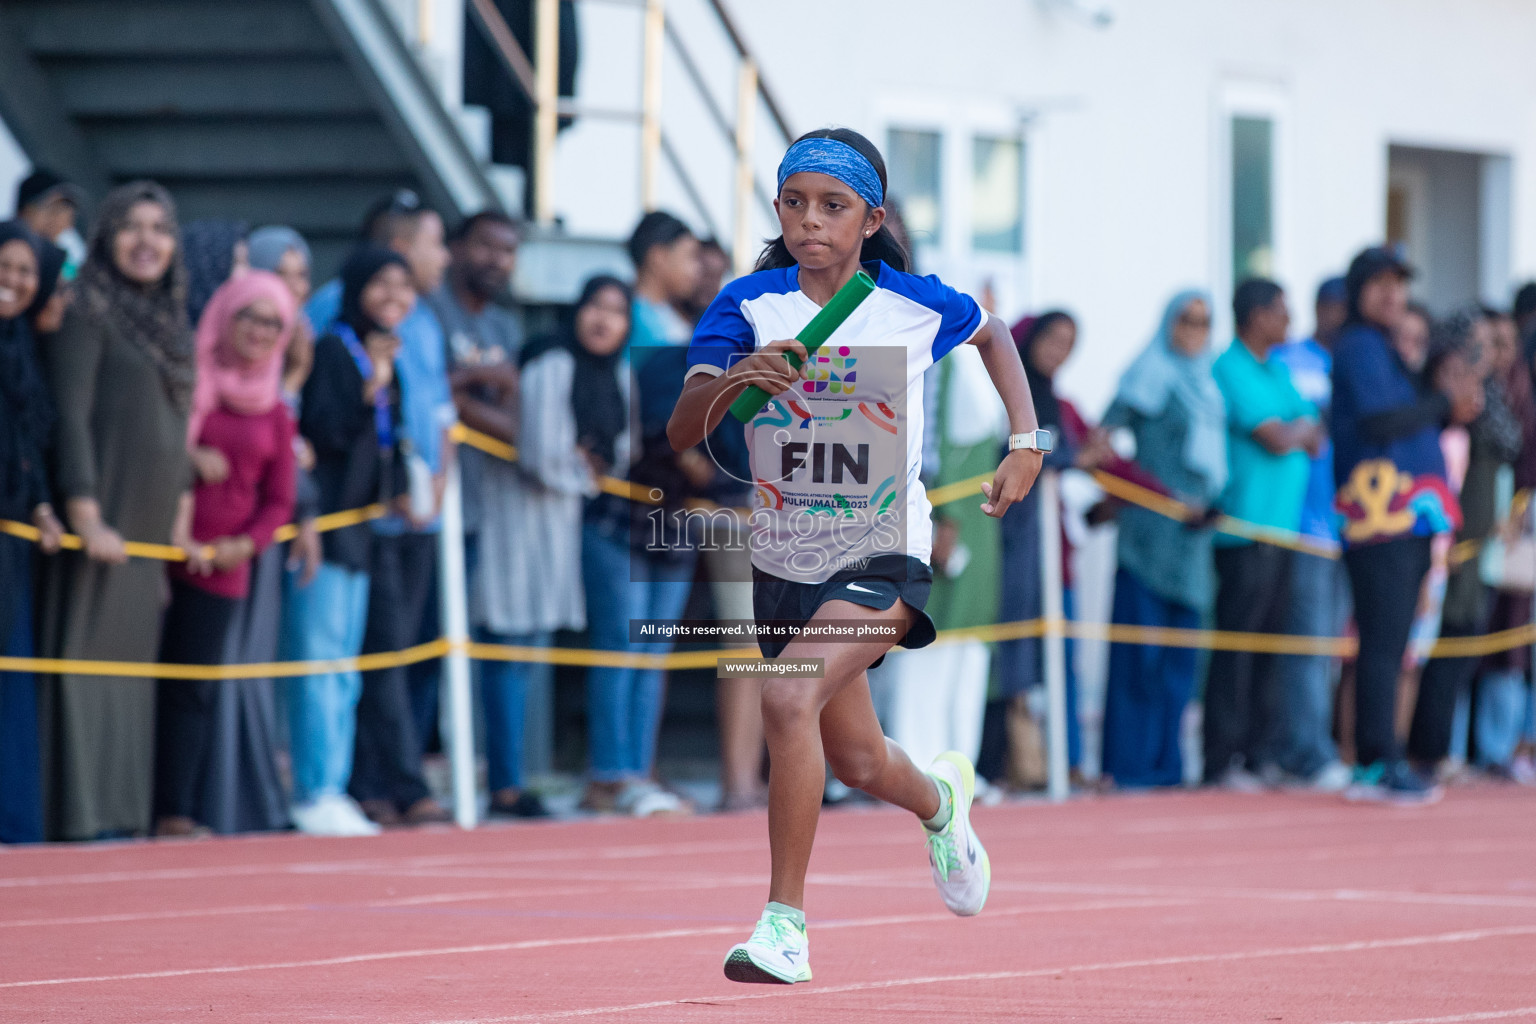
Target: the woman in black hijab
pixel 623 579
pixel 1020 662
pixel 26 418
pixel 350 414
pixel 526 575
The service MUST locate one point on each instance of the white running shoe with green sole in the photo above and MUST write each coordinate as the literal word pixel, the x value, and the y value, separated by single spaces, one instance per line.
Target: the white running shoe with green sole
pixel 776 954
pixel 961 868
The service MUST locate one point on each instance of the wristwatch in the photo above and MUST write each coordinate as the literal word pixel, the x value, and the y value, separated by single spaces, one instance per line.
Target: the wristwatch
pixel 1031 440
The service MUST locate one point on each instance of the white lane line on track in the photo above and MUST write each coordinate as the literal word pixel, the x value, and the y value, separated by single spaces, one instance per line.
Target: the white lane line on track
pixel 377 864
pixel 431 899
pixel 796 992
pixel 906 880
pixel 585 940
pixel 1308 810
pixel 617 882
pixel 1372 851
pixel 862 838
pixel 1522 1011
pixel 1450 899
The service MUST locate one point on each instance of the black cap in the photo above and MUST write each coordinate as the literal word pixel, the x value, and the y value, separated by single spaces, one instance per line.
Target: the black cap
pixel 1378 259
pixel 42 185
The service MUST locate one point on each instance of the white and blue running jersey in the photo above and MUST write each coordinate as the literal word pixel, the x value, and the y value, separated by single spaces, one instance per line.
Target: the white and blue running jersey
pixel 835 459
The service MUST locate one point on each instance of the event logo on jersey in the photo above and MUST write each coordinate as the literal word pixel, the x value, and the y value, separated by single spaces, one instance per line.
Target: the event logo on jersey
pixel 831 374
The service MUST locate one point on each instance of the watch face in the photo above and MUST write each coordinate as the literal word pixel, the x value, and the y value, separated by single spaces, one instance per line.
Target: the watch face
pixel 1033 441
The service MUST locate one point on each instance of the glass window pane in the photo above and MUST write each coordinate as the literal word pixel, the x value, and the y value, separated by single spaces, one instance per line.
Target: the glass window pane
pixel 912 164
pixel 997 195
pixel 1253 240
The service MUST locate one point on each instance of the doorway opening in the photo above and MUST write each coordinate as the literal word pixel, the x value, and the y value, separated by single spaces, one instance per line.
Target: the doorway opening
pixel 1450 211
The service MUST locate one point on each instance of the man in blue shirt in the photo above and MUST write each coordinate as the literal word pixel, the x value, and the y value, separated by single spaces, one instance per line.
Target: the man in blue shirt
pixel 387 778
pixel 1271 431
pixel 1319 586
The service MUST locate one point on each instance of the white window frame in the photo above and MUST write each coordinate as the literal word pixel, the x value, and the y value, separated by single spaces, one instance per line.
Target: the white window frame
pixel 1271 101
pixel 959 120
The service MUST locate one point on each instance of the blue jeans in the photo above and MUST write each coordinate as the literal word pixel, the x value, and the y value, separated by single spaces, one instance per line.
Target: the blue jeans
pixel 1499 717
pixel 323 620
pixel 21 791
pixel 1147 690
pixel 624 704
pixel 504 698
pixel 1320 605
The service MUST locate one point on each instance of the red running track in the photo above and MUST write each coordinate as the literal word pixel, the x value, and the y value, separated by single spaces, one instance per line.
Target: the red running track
pixel 1180 908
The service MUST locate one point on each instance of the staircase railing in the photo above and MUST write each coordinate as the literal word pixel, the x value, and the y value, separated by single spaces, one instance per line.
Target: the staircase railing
pixel 538 80
pixel 379 55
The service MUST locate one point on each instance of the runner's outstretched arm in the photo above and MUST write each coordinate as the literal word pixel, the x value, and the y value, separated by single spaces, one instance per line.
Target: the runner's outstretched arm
pixel 1016 474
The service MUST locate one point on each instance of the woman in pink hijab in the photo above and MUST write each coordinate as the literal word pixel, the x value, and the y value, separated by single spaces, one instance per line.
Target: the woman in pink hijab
pixel 241 439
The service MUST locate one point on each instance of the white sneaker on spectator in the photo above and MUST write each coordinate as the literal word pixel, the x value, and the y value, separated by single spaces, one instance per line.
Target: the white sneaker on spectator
pixel 1240 780
pixel 355 819
pixel 309 817
pixel 333 815
pixel 1523 770
pixel 643 798
pixel 1333 777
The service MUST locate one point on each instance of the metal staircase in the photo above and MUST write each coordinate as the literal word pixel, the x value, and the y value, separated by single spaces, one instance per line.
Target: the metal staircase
pixel 303 112
pixel 288 111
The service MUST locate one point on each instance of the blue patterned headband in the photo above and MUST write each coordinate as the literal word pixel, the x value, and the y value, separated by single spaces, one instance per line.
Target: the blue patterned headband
pixel 838 159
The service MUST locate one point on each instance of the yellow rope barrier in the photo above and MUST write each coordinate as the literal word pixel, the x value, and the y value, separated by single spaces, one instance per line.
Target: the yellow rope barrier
pixel 1125 490
pixel 70 542
pixel 484 442
pixel 506 452
pixel 334 520
pixel 267 670
pixel 1171 508
pixel 1153 636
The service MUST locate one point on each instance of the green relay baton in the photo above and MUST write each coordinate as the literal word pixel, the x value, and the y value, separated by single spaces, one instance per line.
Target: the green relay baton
pixel 812 336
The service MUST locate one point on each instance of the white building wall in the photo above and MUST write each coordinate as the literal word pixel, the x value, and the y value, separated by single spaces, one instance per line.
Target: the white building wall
pixel 1127 182
pixel 14 166
pixel 1129 194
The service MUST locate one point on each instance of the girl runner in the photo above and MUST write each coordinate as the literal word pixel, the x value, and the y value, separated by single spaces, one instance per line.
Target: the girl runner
pixel 842 530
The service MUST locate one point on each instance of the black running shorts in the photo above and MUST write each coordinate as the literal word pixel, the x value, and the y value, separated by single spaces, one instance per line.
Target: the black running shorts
pixel 877 584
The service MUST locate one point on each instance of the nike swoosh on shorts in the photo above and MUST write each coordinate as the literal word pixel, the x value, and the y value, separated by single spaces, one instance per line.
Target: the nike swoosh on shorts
pixel 862 590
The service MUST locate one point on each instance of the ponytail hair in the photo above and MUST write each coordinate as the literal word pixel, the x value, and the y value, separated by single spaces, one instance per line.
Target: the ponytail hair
pixel 882 245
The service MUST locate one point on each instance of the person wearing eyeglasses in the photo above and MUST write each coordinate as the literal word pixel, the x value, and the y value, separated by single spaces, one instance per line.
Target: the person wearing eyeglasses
pixel 242 448
pixel 1170 402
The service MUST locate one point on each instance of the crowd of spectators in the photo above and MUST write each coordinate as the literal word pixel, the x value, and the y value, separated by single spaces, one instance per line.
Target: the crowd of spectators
pixel 182 385
pixel 1368 480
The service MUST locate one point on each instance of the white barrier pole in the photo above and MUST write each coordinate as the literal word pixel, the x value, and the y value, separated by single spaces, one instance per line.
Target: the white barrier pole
pixel 453 598
pixel 1051 606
